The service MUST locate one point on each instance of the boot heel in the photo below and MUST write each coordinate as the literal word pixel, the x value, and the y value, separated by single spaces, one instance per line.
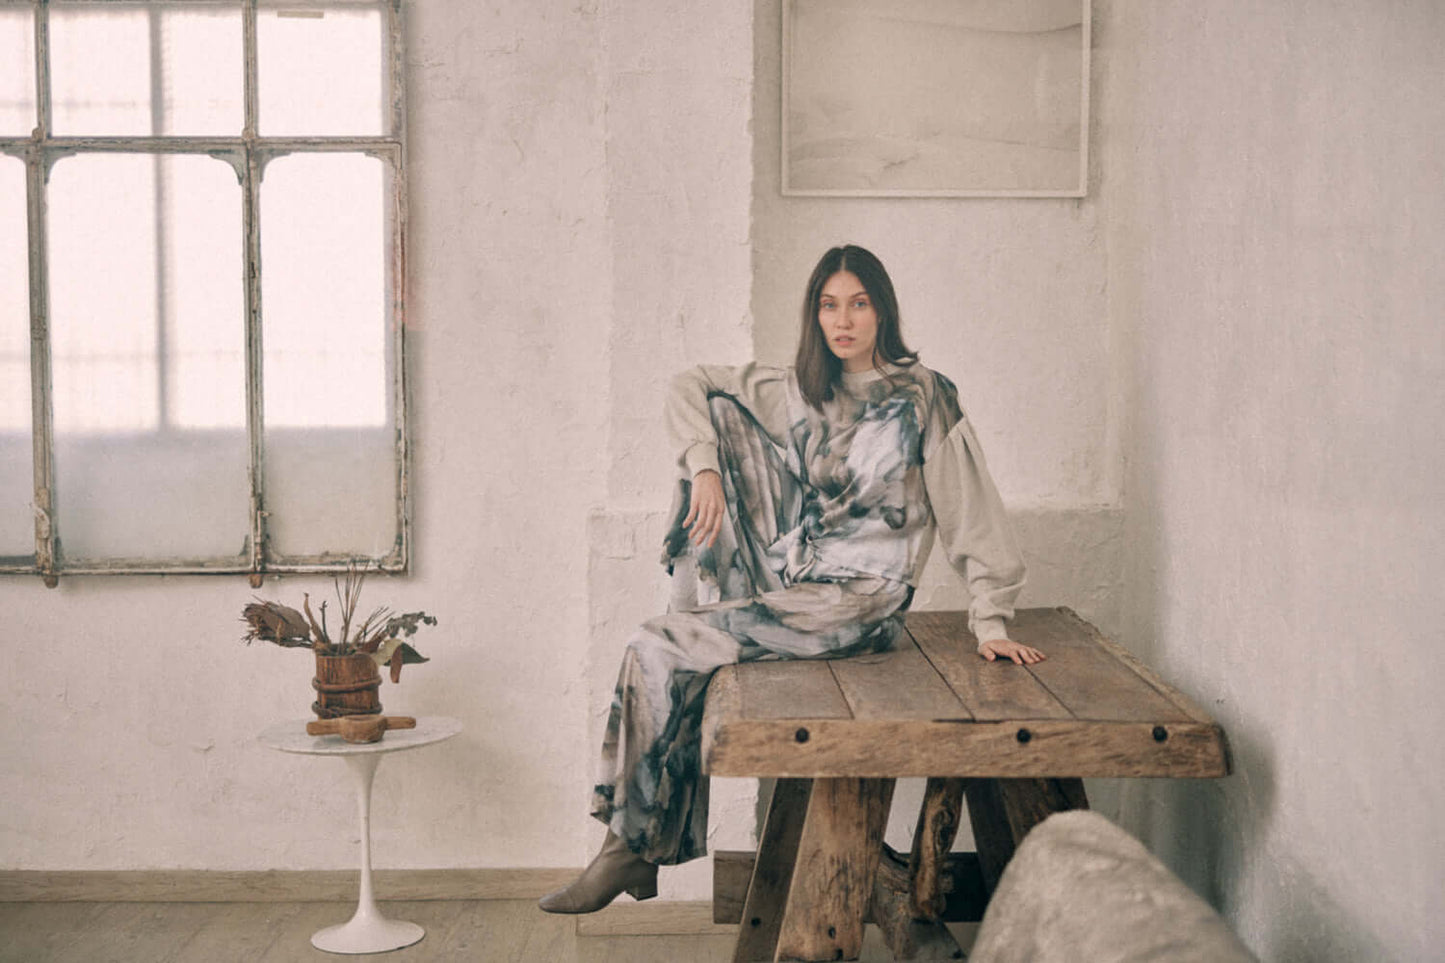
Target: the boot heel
pixel 643 891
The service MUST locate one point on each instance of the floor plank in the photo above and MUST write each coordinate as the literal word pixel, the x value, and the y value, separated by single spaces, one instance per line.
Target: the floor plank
pixel 458 931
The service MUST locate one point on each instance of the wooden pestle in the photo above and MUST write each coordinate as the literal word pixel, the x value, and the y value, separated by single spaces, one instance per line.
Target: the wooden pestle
pixel 359 728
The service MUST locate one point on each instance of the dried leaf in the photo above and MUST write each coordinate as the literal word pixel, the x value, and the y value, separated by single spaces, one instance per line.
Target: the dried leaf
pixel 274 622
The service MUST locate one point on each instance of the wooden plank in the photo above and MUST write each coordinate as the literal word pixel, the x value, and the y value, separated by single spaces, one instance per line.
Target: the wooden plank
pixel 831 748
pixel 274 886
pixel 965 892
pixel 891 910
pixel 932 841
pixel 653 918
pixel 732 870
pixel 1087 678
pixel 1002 811
pixel 722 708
pixel 772 875
pixel 44 931
pixel 1028 802
pixel 1186 705
pixel 898 684
pixel 833 877
pixel 791 689
pixel 992 836
pixel 993 691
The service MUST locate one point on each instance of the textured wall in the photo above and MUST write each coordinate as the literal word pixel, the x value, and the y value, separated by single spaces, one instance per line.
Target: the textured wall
pixel 1274 272
pixel 129 739
pixel 1209 392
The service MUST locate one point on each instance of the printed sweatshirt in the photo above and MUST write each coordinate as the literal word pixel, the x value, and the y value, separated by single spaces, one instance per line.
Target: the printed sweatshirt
pixel 888 465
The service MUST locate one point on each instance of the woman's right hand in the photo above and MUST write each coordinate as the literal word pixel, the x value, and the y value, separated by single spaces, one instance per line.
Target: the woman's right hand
pixel 706 508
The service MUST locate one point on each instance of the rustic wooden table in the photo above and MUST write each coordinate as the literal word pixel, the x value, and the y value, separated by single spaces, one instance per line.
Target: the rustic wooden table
pixel 1014 741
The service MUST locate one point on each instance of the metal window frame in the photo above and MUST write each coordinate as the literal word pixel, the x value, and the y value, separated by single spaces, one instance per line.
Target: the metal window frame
pixel 248 154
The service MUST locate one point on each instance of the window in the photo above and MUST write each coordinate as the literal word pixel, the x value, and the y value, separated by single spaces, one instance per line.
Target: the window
pixel 202 334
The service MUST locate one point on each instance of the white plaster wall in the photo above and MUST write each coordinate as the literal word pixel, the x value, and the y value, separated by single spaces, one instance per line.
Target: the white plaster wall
pixel 129 737
pixel 1275 281
pixel 678 92
pixel 581 183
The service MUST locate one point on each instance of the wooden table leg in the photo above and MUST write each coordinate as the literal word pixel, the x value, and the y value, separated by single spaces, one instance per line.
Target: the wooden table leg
pixel 932 842
pixel 909 896
pixel 772 872
pixel 1002 811
pixel 833 877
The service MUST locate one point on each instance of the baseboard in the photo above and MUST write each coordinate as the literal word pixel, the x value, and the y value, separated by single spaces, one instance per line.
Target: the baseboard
pixel 265 886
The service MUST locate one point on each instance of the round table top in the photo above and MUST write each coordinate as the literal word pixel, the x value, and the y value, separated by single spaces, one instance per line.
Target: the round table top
pixel 292 737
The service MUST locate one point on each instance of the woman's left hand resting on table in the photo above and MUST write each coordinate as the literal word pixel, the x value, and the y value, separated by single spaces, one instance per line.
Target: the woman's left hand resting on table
pixel 1008 649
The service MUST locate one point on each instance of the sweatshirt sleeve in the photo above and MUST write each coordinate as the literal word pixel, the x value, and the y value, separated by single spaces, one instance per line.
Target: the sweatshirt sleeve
pixel 973 528
pixel 761 389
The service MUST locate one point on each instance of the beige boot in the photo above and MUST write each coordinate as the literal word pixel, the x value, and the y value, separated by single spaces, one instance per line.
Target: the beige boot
pixel 615 869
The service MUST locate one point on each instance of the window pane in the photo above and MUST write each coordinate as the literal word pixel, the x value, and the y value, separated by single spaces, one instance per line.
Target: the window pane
pixel 100 69
pixel 17 72
pixel 204 303
pixel 145 279
pixel 321 72
pixel 330 456
pixel 103 293
pixel 201 70
pixel 323 246
pixel 17 482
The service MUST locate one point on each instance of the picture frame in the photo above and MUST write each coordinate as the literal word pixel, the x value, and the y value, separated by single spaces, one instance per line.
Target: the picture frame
pixel 935 98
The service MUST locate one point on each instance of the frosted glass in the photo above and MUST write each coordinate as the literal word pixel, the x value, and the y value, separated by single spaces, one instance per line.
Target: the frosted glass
pixel 330 454
pixel 100 69
pixel 202 70
pixel 321 72
pixel 144 308
pixel 103 303
pixel 17 73
pixel 204 299
pixel 323 244
pixel 129 69
pixel 17 483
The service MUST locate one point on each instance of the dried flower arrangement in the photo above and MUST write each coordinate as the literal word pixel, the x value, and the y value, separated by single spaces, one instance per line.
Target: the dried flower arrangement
pixel 379 635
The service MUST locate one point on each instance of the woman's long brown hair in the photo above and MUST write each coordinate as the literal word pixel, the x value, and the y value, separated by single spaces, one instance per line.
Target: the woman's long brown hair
pixel 818 368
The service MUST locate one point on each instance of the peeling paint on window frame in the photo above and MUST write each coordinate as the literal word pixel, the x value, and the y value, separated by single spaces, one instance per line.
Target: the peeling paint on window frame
pixel 247 154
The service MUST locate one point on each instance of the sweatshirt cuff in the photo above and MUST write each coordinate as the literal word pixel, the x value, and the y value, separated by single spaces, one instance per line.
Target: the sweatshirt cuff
pixel 701 457
pixel 988 630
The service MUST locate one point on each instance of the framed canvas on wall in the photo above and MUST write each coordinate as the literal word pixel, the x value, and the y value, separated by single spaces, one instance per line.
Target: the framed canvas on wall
pixel 935 98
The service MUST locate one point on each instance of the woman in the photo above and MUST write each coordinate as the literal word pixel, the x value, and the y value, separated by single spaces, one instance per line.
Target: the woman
pixel 808 503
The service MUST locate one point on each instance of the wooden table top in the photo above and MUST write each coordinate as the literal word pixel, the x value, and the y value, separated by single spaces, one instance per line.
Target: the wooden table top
pixel 932 707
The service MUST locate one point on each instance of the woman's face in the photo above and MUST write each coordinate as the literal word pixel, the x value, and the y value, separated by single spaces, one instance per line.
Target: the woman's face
pixel 849 323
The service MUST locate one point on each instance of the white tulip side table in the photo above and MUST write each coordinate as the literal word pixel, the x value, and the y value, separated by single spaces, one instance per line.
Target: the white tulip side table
pixel 367 931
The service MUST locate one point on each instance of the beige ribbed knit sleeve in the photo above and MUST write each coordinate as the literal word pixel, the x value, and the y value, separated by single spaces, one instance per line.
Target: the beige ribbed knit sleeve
pixel 761 389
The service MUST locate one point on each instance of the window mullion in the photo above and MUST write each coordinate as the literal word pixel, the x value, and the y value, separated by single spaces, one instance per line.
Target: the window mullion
pixel 42 410
pixel 250 216
pixel 37 170
pixel 397 307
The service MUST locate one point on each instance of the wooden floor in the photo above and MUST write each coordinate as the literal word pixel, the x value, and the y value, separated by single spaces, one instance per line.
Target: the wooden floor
pixel 514 931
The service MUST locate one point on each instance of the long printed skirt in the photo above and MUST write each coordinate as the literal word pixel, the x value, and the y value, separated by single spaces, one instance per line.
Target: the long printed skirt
pixel 731 603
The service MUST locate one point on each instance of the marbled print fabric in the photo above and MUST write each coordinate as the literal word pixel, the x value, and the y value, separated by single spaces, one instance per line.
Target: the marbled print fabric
pixel 808 566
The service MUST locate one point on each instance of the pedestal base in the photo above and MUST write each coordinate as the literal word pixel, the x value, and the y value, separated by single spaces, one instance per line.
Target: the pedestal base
pixel 361 935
